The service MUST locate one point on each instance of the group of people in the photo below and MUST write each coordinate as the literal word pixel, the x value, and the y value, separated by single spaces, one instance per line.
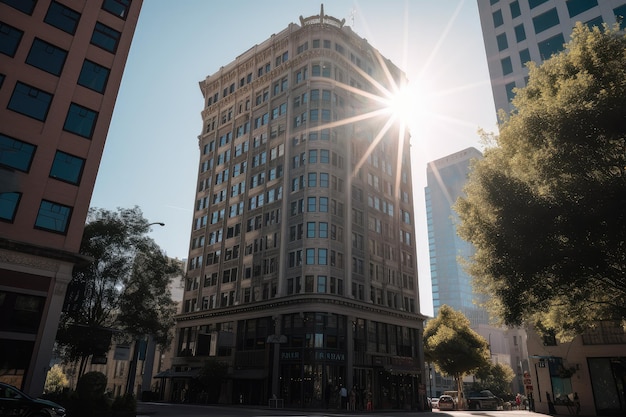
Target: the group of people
pixel 350 400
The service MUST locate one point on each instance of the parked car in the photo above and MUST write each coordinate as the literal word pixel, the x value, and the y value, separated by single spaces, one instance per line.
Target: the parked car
pixel 434 402
pixel 446 402
pixel 483 400
pixel 14 402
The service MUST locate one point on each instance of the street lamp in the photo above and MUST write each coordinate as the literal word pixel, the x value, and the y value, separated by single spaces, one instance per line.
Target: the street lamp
pixel 159 223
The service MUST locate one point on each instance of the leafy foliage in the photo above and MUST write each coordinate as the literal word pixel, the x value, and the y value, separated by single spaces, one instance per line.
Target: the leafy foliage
pixel 124 288
pixel 454 348
pixel 56 380
pixel 545 207
pixel 495 378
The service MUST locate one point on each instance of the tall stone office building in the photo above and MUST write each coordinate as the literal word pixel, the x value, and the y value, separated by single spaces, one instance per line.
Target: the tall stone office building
pixel 593 365
pixel 302 263
pixel 61 65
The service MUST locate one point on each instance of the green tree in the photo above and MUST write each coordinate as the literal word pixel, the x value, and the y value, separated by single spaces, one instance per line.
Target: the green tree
pixel 454 348
pixel 124 288
pixel 544 208
pixel 496 378
pixel 56 380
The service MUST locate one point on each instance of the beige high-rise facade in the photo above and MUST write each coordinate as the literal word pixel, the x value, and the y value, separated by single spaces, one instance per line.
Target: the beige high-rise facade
pixel 302 263
pixel 61 64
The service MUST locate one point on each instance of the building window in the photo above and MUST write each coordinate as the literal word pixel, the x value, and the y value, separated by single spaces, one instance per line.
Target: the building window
pixel 524 56
pixel 546 20
pixel 534 3
pixel 66 167
pixel 53 217
pixel 597 21
pixel 551 46
pixel 497 18
pixel 10 38
pixel 15 153
pixel 520 33
pixel 310 256
pixel 502 43
pixel 509 91
pixel 80 120
pixel 117 7
pixel 93 76
pixel 515 10
pixel 46 57
pixel 30 101
pixel 576 7
pixel 620 16
pixel 507 66
pixel 8 205
pixel 105 37
pixel 24 6
pixel 62 17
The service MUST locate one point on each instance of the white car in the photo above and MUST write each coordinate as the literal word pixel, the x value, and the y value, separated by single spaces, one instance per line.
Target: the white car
pixel 434 402
pixel 446 402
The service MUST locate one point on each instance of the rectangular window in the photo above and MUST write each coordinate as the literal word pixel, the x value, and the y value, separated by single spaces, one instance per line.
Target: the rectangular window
pixel 66 167
pixel 16 154
pixel 117 7
pixel 497 18
pixel 311 204
pixel 8 205
pixel 507 66
pixel 93 76
pixel 509 91
pixel 24 6
pixel 551 46
pixel 515 10
pixel 53 217
pixel 520 33
pixel 105 37
pixel 310 256
pixel 502 43
pixel 534 3
pixel 576 7
pixel 546 20
pixel 10 38
pixel 323 230
pixel 310 230
pixel 324 204
pixel 62 17
pixel 322 256
pixel 30 101
pixel 524 56
pixel 80 120
pixel 620 16
pixel 46 57
pixel 321 284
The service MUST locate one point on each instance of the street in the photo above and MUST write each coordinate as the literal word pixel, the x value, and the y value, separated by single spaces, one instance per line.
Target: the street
pixel 190 410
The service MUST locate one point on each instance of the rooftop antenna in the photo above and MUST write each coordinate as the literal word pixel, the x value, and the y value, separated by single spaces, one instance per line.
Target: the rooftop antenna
pixel 352 15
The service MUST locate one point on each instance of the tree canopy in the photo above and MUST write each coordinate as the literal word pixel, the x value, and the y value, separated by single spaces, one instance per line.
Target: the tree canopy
pixel 496 378
pixel 125 289
pixel 545 208
pixel 454 348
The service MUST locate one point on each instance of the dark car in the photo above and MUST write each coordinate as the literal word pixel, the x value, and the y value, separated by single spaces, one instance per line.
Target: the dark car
pixel 14 402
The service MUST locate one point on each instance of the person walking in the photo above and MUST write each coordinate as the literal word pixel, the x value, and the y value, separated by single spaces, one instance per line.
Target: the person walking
pixel 343 393
pixel 352 406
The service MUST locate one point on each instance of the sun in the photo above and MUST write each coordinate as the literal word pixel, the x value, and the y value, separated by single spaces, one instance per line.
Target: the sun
pixel 408 104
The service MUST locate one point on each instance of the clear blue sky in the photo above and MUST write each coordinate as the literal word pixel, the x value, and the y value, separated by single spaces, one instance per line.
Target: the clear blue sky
pixel 151 155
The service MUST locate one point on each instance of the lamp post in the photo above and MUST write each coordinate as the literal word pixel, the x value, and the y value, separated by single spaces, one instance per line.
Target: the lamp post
pixel 430 379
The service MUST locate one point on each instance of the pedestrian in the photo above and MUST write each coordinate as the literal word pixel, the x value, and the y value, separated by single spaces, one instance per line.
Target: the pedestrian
pixel 370 401
pixel 353 399
pixel 343 393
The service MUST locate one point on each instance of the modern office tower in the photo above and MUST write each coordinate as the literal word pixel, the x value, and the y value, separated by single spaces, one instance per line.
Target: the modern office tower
pixel 451 285
pixel 302 263
pixel 61 64
pixel 591 368
pixel 518 31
